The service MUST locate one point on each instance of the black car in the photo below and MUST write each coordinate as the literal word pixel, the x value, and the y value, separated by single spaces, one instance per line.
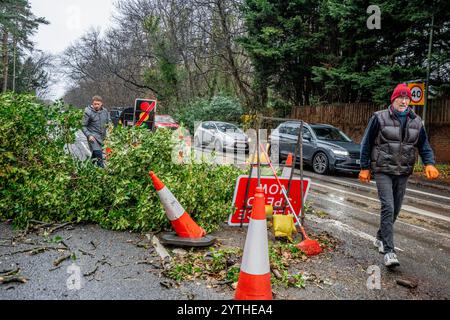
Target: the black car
pixel 325 147
pixel 115 114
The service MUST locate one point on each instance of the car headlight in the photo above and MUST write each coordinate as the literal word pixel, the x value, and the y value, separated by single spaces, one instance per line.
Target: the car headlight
pixel 339 152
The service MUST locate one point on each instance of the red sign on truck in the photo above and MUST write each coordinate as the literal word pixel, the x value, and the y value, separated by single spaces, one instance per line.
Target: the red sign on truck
pixel 273 193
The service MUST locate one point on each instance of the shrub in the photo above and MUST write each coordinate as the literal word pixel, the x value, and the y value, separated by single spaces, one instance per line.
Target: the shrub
pixel 39 181
pixel 219 108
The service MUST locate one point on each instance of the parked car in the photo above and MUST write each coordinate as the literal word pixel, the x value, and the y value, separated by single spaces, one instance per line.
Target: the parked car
pixel 129 118
pixel 165 121
pixel 221 136
pixel 115 115
pixel 325 147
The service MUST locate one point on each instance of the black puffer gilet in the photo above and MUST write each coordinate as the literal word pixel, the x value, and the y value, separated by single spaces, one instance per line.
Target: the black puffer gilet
pixel 394 151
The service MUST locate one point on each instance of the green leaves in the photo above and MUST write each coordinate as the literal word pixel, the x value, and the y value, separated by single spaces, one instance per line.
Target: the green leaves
pixel 39 181
pixel 220 108
pixel 308 52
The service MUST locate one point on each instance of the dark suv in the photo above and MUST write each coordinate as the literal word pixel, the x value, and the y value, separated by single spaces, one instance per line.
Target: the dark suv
pixel 325 147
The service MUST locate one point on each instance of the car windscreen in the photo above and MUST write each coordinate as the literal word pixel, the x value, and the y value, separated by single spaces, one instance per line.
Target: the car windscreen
pixel 331 134
pixel 227 127
pixel 165 119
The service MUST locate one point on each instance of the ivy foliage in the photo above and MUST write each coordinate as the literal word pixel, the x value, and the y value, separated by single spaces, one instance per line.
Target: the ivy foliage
pixel 39 181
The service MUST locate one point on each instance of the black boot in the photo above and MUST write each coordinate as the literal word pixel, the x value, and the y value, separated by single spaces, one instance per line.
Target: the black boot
pixel 97 155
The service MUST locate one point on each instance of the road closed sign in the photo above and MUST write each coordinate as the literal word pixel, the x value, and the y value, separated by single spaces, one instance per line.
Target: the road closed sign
pixel 273 193
pixel 417 93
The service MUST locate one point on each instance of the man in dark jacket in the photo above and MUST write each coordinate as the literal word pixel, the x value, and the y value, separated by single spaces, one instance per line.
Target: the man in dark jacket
pixel 95 123
pixel 389 150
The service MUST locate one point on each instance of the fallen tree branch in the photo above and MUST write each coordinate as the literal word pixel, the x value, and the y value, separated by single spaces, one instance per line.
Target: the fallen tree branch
pixel 86 253
pixel 91 273
pixel 33 251
pixel 9 279
pixel 53 269
pixel 277 273
pixel 39 222
pixel 59 227
pixel 103 261
pixel 11 272
pixel 58 261
pixel 38 251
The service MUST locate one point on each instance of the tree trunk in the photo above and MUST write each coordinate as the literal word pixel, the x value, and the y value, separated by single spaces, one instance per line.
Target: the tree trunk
pixel 229 52
pixel 14 63
pixel 5 60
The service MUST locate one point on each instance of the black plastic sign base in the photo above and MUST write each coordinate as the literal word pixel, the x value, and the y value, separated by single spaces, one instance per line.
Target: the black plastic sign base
pixel 174 240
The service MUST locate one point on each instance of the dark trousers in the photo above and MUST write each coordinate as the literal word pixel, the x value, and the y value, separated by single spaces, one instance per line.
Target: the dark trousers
pixel 98 156
pixel 391 191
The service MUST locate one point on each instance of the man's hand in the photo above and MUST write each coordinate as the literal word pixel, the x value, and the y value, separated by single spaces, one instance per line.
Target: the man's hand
pixel 91 139
pixel 364 176
pixel 431 172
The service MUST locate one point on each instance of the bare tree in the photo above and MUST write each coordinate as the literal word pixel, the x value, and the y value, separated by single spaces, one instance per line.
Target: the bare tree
pixel 176 50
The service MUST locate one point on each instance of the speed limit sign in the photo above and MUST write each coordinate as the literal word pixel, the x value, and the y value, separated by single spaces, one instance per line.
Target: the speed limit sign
pixel 417 93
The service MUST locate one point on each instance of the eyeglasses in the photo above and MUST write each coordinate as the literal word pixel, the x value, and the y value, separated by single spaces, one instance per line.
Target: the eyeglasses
pixel 404 98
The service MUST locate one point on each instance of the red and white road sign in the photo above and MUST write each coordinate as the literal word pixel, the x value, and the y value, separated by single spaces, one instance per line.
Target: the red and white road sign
pixel 146 107
pixel 417 93
pixel 273 193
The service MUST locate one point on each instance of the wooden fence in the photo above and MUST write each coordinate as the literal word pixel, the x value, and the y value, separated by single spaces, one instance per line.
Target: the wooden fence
pixel 353 118
pixel 357 114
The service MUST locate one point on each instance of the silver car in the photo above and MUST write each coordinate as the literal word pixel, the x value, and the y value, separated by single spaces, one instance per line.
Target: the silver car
pixel 221 136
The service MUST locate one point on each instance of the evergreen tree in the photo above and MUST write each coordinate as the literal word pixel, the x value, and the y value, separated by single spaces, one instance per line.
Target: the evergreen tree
pixel 17 24
pixel 322 51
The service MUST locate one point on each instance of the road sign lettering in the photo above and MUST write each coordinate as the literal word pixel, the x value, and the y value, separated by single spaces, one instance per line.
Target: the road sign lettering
pixel 273 193
pixel 417 93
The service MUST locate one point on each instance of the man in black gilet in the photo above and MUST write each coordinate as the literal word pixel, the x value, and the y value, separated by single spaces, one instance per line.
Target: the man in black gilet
pixel 388 149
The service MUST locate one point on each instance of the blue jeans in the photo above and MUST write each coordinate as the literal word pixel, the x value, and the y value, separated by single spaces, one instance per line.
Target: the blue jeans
pixel 391 191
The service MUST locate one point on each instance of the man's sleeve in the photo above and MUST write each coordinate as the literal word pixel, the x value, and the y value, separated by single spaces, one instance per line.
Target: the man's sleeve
pixel 368 141
pixel 425 151
pixel 85 125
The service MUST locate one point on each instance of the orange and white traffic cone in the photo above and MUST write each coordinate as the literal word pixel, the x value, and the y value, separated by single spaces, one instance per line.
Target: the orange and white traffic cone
pixel 287 167
pixel 182 223
pixel 254 278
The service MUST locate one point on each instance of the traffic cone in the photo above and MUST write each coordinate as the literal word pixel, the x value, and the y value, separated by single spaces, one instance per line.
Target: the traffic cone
pixel 254 278
pixel 287 167
pixel 253 160
pixel 182 223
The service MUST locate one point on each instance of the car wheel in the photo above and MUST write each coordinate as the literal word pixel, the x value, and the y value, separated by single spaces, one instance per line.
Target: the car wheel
pixel 218 146
pixel 320 163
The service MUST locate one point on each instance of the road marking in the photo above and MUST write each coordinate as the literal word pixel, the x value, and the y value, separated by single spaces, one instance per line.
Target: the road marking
pixel 345 182
pixel 425 213
pixel 347 228
pixel 405 207
pixel 374 214
pixel 432 195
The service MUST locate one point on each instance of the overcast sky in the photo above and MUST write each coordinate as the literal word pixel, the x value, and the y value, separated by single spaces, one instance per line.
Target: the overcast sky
pixel 69 20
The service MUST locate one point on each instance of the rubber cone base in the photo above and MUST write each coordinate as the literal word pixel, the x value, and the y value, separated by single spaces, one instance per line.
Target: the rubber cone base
pixel 171 238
